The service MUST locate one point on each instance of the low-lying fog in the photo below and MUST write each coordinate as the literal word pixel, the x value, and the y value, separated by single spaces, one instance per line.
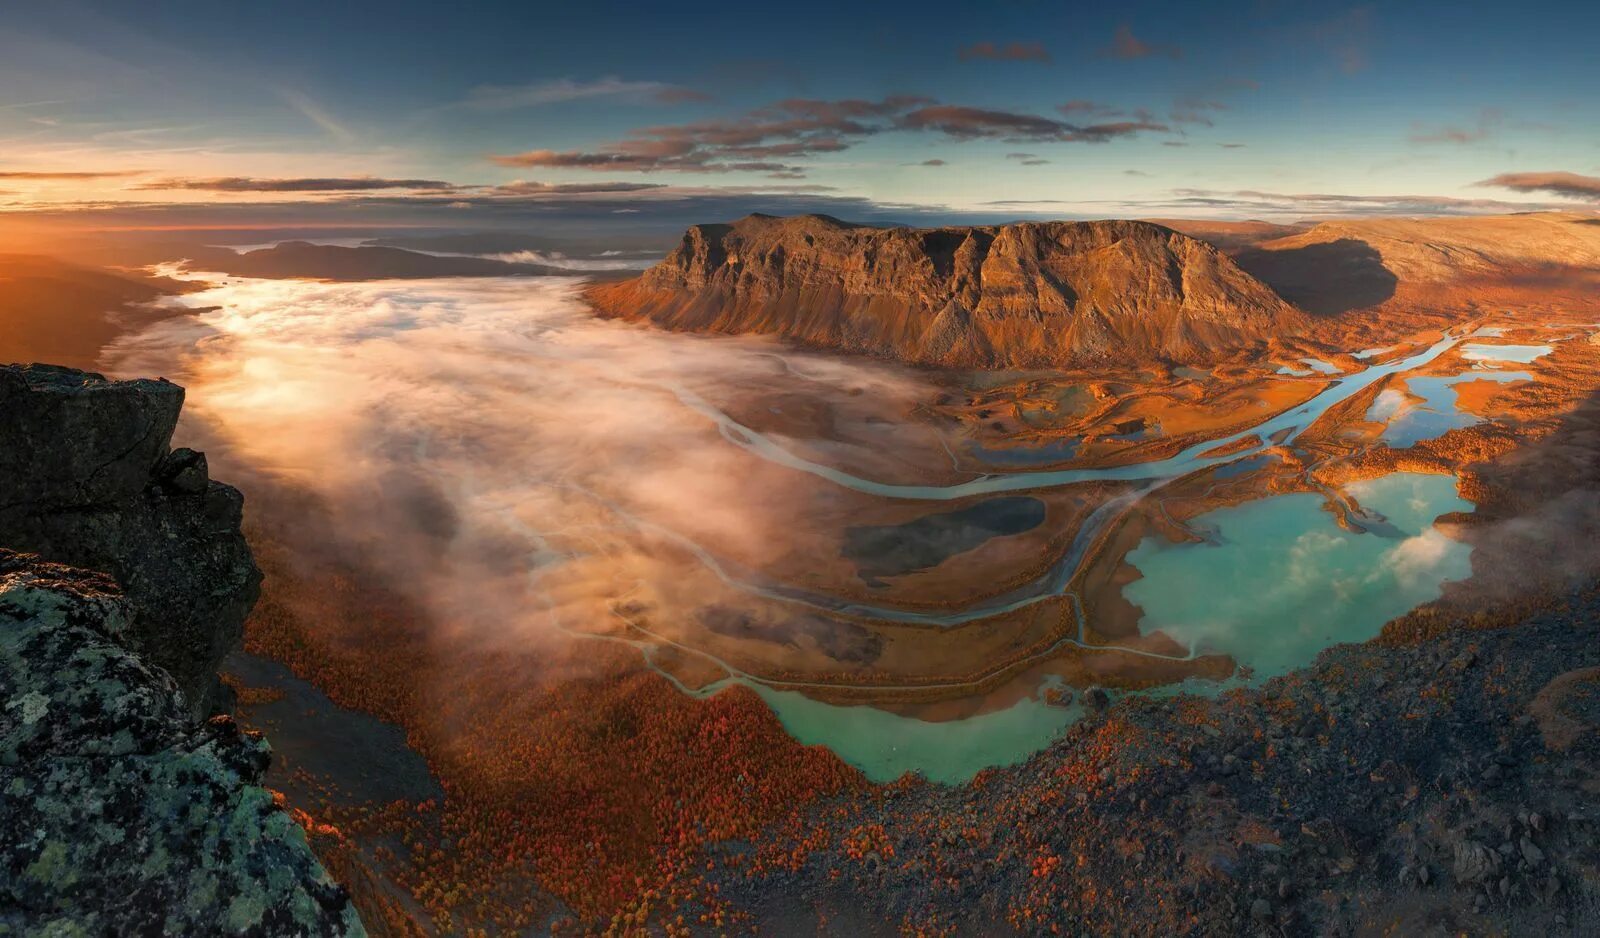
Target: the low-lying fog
pixel 493 446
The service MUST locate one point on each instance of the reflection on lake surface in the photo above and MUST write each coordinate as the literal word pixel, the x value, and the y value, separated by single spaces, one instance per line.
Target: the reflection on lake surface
pixel 1286 582
pixel 1438 413
pixel 885 745
pixel 1521 354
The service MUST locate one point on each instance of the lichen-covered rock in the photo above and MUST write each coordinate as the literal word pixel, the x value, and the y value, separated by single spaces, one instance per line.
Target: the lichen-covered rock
pixel 118 815
pixel 87 479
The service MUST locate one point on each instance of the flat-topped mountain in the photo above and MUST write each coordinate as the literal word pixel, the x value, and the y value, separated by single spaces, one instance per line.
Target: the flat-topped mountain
pixel 1018 295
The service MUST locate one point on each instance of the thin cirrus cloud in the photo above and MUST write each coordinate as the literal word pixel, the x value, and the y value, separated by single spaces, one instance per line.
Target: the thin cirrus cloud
pixel 522 187
pixel 1566 185
pixel 970 123
pixel 563 90
pixel 1483 128
pixel 318 184
pixel 1199 111
pixel 1280 203
pixel 51 176
pixel 1010 52
pixel 1125 45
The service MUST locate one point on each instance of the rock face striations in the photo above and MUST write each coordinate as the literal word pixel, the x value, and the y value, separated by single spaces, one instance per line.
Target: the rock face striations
pixel 1020 295
pixel 120 812
pixel 87 479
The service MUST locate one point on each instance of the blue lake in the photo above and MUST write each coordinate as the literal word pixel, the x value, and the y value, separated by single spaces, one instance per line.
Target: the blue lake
pixel 1438 413
pixel 1285 581
pixel 1521 354
pixel 885 746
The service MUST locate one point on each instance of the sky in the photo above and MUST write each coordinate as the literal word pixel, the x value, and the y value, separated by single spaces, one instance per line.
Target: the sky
pixel 491 115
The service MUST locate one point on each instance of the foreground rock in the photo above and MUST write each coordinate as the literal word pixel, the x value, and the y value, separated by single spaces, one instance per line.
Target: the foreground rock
pixel 118 814
pixel 87 478
pixel 1015 295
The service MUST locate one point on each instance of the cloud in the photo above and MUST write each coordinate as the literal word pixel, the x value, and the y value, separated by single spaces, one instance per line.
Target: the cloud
pixel 971 123
pixel 1011 51
pixel 52 176
pixel 1335 204
pixel 522 187
pixel 1125 45
pixel 1082 106
pixel 765 140
pixel 1488 121
pixel 562 90
pixel 1191 110
pixel 934 162
pixel 316 114
pixel 330 184
pixel 531 518
pixel 1566 185
pixel 771 139
pixel 1027 159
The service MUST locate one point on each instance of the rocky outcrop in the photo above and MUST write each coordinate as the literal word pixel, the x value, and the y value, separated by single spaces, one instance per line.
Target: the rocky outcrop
pixel 1027 294
pixel 87 478
pixel 1443 788
pixel 118 814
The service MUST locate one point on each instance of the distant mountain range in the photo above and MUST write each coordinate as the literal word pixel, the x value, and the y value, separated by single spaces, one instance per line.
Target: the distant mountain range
pixel 308 261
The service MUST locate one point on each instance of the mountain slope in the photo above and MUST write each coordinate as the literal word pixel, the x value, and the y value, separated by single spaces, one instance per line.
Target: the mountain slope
pixel 1443 266
pixel 54 311
pixel 1015 295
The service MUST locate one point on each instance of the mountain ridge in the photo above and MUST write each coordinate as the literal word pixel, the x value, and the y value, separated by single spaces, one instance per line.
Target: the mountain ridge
pixel 1014 295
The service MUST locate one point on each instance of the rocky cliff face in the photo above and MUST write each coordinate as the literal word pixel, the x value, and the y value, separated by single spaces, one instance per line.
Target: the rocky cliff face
pixel 118 814
pixel 1031 294
pixel 87 478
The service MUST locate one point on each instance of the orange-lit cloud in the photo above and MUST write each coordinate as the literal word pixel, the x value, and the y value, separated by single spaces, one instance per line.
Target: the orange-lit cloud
pixel 1567 185
pixel 311 184
pixel 54 176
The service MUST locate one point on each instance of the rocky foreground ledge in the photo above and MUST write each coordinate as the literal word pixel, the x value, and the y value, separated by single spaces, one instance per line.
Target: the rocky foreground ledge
pixel 120 812
pixel 88 478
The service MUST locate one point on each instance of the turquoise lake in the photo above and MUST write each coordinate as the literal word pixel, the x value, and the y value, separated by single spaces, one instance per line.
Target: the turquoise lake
pixel 1437 414
pixel 885 746
pixel 1285 581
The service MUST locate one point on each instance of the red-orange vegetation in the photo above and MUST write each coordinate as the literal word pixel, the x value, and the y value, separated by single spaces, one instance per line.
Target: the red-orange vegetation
pixel 601 787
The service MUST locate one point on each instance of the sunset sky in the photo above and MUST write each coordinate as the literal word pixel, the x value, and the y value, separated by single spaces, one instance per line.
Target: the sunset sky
pixel 351 113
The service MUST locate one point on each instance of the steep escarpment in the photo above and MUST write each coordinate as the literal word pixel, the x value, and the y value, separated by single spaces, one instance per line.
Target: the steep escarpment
pixel 118 814
pixel 1027 294
pixel 120 811
pixel 88 478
